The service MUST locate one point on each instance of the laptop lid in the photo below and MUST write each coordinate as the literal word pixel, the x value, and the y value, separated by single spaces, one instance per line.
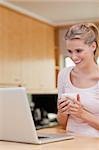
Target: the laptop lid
pixel 16 120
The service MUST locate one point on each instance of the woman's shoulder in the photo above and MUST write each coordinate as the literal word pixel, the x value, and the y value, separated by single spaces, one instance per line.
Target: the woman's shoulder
pixel 65 70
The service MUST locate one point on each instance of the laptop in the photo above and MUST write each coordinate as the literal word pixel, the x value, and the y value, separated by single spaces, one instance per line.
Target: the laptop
pixel 16 122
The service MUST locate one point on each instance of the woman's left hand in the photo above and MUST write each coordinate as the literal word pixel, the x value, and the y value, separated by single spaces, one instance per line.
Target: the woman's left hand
pixel 76 108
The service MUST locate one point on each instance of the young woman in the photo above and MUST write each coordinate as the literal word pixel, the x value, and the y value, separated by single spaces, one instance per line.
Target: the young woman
pixel 80 116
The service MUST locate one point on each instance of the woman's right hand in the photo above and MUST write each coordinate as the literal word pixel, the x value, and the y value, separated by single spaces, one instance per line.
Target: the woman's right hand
pixel 63 105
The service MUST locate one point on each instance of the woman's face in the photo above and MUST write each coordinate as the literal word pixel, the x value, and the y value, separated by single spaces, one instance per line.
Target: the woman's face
pixel 81 53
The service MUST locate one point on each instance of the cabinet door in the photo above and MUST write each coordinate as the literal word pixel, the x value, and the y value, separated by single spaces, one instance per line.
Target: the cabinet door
pixel 38 58
pixel 9 49
pixel 47 78
pixel 10 69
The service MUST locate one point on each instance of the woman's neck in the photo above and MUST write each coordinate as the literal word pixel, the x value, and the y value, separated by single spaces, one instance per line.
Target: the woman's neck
pixel 89 69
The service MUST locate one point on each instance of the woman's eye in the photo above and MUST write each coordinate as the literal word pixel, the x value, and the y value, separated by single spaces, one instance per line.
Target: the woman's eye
pixel 69 51
pixel 78 50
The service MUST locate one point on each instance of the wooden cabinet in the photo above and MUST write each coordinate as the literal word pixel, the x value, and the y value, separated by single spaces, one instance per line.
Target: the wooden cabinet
pixel 26 52
pixel 9 49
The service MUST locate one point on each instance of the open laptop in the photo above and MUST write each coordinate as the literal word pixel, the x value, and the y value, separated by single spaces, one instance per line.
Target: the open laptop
pixel 16 122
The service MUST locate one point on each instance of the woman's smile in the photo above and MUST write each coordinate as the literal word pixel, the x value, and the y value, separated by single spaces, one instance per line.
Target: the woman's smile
pixel 77 62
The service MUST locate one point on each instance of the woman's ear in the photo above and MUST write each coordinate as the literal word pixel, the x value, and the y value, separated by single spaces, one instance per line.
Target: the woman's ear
pixel 93 46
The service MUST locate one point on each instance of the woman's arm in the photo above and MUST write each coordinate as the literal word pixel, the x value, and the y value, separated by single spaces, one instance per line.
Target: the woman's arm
pixel 90 119
pixel 77 110
pixel 62 114
pixel 62 119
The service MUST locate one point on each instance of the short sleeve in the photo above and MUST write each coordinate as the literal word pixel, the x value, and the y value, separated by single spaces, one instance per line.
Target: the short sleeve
pixel 63 80
pixel 61 76
pixel 60 85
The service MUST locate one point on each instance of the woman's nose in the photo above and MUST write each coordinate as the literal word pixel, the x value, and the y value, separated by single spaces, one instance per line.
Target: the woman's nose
pixel 74 56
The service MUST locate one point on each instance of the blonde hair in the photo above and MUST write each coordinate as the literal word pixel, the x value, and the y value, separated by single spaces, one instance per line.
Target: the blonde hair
pixel 88 32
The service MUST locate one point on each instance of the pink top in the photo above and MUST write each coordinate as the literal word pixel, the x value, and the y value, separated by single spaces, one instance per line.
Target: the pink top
pixel 89 99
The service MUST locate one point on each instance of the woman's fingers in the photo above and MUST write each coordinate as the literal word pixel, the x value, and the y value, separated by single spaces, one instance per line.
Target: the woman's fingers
pixel 64 109
pixel 66 104
pixel 63 105
pixel 78 97
pixel 74 107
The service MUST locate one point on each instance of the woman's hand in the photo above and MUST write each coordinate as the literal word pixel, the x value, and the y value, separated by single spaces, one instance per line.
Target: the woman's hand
pixel 62 115
pixel 76 108
pixel 63 105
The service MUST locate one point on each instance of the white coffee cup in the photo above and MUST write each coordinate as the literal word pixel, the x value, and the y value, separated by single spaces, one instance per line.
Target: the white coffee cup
pixel 71 95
